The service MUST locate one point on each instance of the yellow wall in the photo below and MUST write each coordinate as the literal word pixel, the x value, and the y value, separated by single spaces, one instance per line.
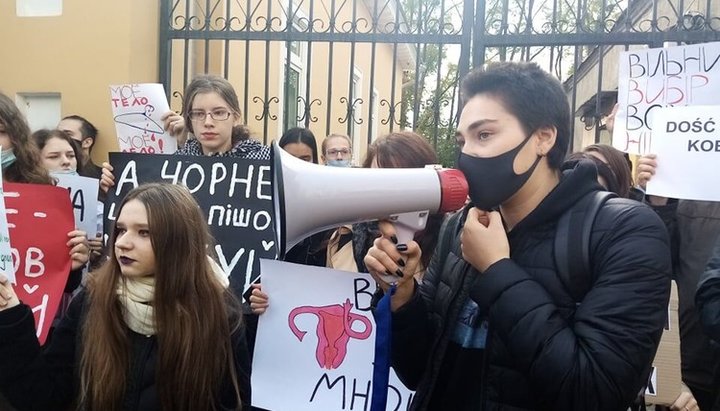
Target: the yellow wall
pixel 92 45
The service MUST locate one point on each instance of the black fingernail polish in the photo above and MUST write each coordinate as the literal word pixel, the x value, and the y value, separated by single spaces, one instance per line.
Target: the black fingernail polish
pixel 399 273
pixel 394 239
pixel 401 247
pixel 401 263
pixel 388 272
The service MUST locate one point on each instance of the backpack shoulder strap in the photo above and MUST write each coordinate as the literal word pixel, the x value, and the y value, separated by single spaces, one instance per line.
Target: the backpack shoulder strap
pixel 572 243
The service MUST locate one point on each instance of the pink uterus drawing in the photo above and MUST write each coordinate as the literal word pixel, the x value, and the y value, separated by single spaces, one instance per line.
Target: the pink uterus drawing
pixel 334 330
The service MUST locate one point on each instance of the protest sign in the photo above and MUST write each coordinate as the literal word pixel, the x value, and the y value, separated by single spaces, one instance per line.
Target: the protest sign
pixel 137 111
pixel 687 143
pixel 319 331
pixel 39 219
pixel 6 262
pixel 665 77
pixel 83 197
pixel 234 194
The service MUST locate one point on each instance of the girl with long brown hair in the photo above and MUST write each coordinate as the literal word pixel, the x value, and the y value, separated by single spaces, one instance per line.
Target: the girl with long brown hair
pixel 156 328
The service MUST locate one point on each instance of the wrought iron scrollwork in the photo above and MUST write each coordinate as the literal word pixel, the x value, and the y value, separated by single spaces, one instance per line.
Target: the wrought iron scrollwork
pixel 307 108
pixel 392 118
pixel 265 107
pixel 350 111
pixel 178 95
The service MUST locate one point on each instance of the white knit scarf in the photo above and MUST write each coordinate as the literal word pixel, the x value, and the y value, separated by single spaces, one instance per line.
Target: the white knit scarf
pixel 137 295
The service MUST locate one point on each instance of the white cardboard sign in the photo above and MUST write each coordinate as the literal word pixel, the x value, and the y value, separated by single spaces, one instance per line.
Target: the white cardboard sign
pixel 137 111
pixel 687 144
pixel 316 341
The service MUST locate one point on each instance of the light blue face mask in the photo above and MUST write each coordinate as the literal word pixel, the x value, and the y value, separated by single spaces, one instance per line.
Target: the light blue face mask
pixel 338 163
pixel 64 172
pixel 8 157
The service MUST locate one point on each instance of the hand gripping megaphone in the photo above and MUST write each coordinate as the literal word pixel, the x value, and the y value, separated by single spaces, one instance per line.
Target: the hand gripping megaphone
pixel 309 198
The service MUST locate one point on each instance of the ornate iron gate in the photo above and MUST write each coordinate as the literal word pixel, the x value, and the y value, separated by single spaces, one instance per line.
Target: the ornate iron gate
pixel 364 67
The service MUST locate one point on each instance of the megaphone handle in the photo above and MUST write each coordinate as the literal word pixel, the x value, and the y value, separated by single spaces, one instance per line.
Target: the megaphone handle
pixel 404 233
pixel 406 225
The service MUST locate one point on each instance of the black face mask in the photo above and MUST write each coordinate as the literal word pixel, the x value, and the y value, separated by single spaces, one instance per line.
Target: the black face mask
pixel 492 180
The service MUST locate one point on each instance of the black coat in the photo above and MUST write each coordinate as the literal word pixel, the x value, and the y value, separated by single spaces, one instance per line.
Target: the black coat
pixel 543 351
pixel 707 299
pixel 46 378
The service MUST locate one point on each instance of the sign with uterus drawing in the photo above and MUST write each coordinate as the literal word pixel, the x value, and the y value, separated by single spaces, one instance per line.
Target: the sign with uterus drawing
pixel 316 341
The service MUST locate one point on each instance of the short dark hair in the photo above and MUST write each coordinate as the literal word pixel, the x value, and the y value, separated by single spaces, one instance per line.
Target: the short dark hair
pixel 302 136
pixel 87 129
pixel 531 94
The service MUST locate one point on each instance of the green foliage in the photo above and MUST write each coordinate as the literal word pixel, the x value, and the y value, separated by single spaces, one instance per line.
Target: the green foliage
pixel 434 102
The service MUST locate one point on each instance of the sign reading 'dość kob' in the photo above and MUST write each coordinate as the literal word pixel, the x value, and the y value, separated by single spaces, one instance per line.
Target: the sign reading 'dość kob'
pixel 687 144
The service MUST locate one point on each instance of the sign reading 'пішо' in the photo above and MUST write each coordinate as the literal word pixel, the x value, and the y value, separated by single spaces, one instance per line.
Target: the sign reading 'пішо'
pixel 234 194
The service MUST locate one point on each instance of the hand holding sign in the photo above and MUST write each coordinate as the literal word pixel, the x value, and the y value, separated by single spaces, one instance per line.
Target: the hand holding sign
pixel 258 300
pixel 79 249
pixel 174 124
pixel 645 170
pixel 8 298
pixel 107 181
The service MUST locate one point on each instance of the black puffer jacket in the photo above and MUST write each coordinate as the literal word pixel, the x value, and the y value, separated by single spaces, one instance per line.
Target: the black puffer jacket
pixel 543 351
pixel 707 299
pixel 35 378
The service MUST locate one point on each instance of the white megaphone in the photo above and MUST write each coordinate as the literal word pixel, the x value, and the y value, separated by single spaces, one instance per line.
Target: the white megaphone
pixel 309 198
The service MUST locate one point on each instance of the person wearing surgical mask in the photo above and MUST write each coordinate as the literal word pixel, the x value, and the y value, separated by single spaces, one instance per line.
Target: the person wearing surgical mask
pixel 494 323
pixel 337 151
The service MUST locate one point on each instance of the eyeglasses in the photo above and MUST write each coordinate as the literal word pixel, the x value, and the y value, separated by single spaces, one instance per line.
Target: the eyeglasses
pixel 335 151
pixel 219 115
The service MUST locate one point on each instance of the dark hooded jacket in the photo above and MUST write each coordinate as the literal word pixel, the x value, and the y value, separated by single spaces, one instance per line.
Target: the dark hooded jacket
pixel 533 346
pixel 46 378
pixel 707 299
